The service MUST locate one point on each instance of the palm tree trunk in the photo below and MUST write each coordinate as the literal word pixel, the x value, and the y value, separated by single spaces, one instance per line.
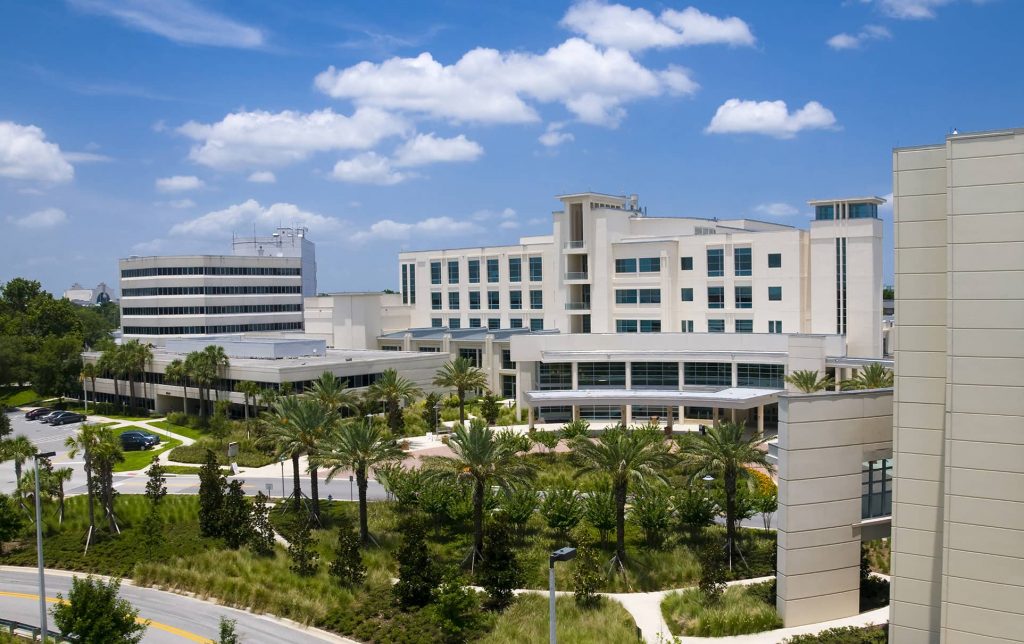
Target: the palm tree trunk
pixel 314 492
pixel 93 392
pixel 117 393
pixel 297 486
pixel 730 514
pixel 620 522
pixel 88 488
pixel 131 391
pixel 478 519
pixel 108 498
pixel 364 529
pixel 17 471
pixel 184 399
pixel 245 405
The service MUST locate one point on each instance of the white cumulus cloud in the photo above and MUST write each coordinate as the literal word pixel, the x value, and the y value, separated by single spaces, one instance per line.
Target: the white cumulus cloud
pixel 26 154
pixel 177 20
pixel 179 183
pixel 264 139
pixel 262 176
pixel 854 41
pixel 622 27
pixel 423 149
pixel 554 136
pixel 772 118
pixel 368 167
pixel 777 209
pixel 41 219
pixel 489 86
pixel 389 229
pixel 220 223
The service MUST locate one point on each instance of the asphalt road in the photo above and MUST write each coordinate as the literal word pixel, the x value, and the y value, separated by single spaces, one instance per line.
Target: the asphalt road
pixel 174 618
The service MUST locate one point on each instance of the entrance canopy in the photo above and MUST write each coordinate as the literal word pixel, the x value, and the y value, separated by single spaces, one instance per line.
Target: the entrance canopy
pixel 729 398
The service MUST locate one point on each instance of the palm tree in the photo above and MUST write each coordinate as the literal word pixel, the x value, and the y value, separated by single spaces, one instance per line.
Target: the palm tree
pixel 109 363
pixel 106 453
pixel 297 427
pixel 394 390
pixel 725 453
pixel 202 374
pixel 248 389
pixel 175 373
pixel 625 456
pixel 85 441
pixel 90 373
pixel 333 393
pixel 871 376
pixel 134 356
pixel 356 446
pixel 218 360
pixel 55 482
pixel 462 376
pixel 18 449
pixel 485 461
pixel 809 382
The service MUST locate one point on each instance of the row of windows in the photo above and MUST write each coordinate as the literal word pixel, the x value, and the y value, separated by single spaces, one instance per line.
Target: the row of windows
pixel 641 326
pixel 846 211
pixel 211 310
pixel 742 262
pixel 515 300
pixel 221 328
pixel 515 270
pixel 209 270
pixel 743 296
pixel 739 326
pixel 211 290
pixel 638 265
pixel 638 296
pixel 493 324
pixel 662 375
pixel 408 283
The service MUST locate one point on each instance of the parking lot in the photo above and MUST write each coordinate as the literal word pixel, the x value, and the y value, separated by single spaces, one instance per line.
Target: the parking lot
pixel 46 439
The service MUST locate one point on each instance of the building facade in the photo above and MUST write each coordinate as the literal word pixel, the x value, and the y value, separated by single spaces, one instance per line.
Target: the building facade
pixel 283 242
pixel 609 268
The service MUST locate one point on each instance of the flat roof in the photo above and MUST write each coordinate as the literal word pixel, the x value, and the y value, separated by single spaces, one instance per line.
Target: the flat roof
pixel 477 334
pixel 724 398
pixel 592 194
pixel 824 202
pixel 850 361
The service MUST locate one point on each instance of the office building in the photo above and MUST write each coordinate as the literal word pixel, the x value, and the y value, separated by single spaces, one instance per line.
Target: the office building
pixel 83 296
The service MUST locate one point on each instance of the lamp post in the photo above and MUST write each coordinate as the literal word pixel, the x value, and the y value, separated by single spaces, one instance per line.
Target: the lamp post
pixel 350 478
pixel 39 549
pixel 437 410
pixel 281 461
pixel 562 554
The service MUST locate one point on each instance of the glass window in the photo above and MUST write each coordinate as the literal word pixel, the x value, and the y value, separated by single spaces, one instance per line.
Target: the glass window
pixel 650 326
pixel 774 260
pixel 601 374
pixel 473 355
pixel 536 269
pixel 453 301
pixel 707 373
pixel 744 297
pixel 453 271
pixel 412 283
pixel 473 267
pixel 536 324
pixel 863 211
pixel 600 412
pixel 508 386
pixel 474 299
pixel 436 322
pixel 716 326
pixel 686 263
pixel 687 326
pixel 493 323
pixel 760 375
pixel 515 269
pixel 515 299
pixel 716 262
pixel 822 213
pixel 716 297
pixel 506 359
pixel 492 270
pixel 537 299
pixel 625 265
pixel 435 272
pixel 744 326
pixel 654 374
pixel 774 326
pixel 743 262
pixel 405 283
pixel 876 488
pixel 454 323
pixel 515 323
pixel 625 296
pixel 474 323
pixel 687 294
pixel 650 296
pixel 649 264
pixel 493 301
pixel 435 301
pixel 775 293
pixel 626 326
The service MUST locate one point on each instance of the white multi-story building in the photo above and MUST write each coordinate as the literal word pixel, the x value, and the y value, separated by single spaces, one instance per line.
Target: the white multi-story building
pixel 258 288
pixel 607 267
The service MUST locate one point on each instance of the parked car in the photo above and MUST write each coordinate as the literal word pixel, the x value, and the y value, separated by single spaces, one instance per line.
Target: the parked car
pixel 38 412
pixel 52 416
pixel 138 440
pixel 68 417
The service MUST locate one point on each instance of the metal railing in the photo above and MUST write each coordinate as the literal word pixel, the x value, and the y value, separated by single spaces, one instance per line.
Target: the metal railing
pixel 575 244
pixel 20 628
pixel 577 306
pixel 577 275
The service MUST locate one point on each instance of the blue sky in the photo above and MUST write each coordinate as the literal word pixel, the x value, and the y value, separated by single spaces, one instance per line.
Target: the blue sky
pixel 139 127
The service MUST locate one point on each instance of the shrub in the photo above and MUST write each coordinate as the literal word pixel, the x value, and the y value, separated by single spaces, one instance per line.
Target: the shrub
pixel 508 416
pixel 586 576
pixel 227 631
pixel 599 508
pixel 428 411
pixel 235 525
pixel 765 591
pixel 518 507
pixel 548 440
pixel 304 558
pixel 575 429
pixel 737 612
pixel 211 496
pixel 347 567
pixel 413 423
pixel 712 574
pixel 179 418
pixel 652 511
pixel 455 609
pixel 514 440
pixel 12 521
pixel 562 509
pixel 490 407
pixel 261 537
pixel 500 572
pixel 417 573
pixel 95 614
pixel 846 635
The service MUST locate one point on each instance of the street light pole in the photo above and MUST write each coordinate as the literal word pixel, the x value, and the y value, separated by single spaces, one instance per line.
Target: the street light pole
pixel 562 554
pixel 39 550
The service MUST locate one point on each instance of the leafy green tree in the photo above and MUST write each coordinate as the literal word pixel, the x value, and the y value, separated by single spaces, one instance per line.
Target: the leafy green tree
pixel 12 521
pixel 304 557
pixel 95 614
pixel 695 509
pixel 455 609
pixel 18 449
pixel 226 630
pixel 599 508
pixel 16 294
pixel 711 583
pixel 394 390
pixel 462 376
pixel 624 456
pixel 356 446
pixel 417 573
pixel 562 509
pixel 726 454
pixel 430 413
pixel 501 572
pixel 652 511
pixel 156 485
pixel 766 503
pixel 518 507
pixel 586 576
pixel 490 407
pixel 262 537
pixel 234 517
pixel 871 376
pixel 5 425
pixel 211 496
pixel 484 461
pixel 809 381
pixel 348 567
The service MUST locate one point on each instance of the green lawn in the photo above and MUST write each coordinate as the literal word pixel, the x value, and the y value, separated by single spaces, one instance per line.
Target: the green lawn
pixel 17 396
pixel 180 430
pixel 140 459
pixel 527 621
pixel 188 469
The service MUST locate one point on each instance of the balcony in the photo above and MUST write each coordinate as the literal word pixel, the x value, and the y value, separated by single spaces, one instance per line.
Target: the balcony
pixel 575 245
pixel 577 306
pixel 575 276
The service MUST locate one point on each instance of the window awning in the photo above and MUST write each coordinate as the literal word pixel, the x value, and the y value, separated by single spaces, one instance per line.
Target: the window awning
pixel 729 398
